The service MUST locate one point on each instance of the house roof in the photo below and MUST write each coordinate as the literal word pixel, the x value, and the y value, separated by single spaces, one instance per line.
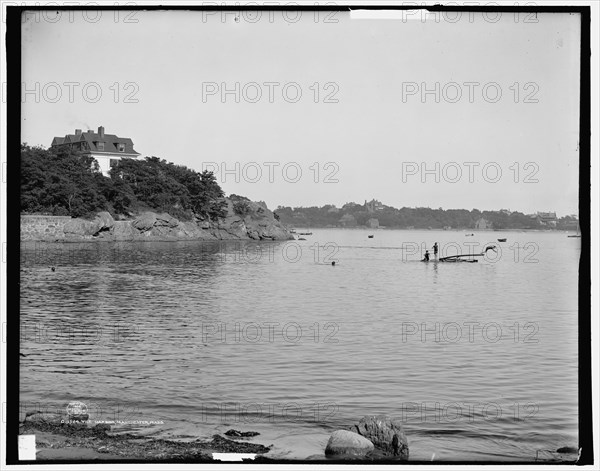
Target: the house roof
pixel 111 142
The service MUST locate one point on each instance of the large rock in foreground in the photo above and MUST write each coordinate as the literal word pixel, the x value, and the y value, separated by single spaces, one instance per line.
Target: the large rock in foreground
pixel 385 433
pixel 343 443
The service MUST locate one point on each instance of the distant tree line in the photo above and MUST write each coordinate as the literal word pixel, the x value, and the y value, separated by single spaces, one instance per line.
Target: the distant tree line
pixel 357 215
pixel 63 182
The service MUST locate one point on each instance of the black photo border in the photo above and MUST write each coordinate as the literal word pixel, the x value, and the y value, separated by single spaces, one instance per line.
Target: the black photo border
pixel 13 127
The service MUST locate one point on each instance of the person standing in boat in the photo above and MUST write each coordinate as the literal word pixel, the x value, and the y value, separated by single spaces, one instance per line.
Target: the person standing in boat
pixel 435 250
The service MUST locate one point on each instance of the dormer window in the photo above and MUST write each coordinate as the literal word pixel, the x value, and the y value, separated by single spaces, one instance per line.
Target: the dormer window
pixel 100 145
pixel 121 147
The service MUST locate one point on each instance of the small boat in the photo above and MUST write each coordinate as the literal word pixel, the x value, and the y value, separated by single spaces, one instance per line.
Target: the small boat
pixel 292 231
pixel 451 260
pixel 304 233
pixel 469 235
pixel 300 238
pixel 370 236
pixel 459 258
pixel 502 240
pixel 574 235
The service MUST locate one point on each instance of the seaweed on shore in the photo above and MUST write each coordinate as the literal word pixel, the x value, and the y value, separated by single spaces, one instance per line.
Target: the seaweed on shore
pixel 131 446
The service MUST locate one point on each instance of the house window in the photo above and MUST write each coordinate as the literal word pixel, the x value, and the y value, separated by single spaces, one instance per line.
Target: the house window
pixel 113 162
pixel 121 147
pixel 100 145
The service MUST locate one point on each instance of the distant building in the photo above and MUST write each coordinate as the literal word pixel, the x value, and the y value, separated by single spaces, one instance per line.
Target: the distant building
pixel 547 219
pixel 373 223
pixel 483 224
pixel 373 206
pixel 107 149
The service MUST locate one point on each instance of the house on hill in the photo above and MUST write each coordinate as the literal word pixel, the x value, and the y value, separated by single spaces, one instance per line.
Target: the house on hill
pixel 547 219
pixel 107 149
pixel 373 205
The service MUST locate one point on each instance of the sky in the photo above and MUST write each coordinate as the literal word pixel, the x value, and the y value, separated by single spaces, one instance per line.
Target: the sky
pixel 307 110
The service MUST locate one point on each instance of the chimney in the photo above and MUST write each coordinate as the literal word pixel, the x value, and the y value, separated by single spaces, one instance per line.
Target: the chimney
pixel 78 132
pixel 101 131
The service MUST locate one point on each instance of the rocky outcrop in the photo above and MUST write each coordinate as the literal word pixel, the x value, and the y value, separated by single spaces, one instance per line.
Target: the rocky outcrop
pixel 385 433
pixel 124 230
pixel 103 221
pixel 144 222
pixel 343 444
pixel 83 228
pixel 256 223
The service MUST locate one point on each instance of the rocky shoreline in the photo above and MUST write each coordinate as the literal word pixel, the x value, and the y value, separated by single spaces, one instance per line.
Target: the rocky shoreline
pixel 74 440
pixel 258 223
pixel 374 439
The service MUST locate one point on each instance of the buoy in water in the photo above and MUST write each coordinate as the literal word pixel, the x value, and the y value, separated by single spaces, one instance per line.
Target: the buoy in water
pixel 333 264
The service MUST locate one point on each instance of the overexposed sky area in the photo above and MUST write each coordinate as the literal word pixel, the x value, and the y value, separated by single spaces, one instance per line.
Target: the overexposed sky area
pixel 305 108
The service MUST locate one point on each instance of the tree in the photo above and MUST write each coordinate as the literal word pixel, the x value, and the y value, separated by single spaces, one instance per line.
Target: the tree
pixel 63 182
pixel 60 182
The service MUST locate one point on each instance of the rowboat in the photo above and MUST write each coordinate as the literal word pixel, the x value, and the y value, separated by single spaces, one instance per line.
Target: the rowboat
pixel 463 258
pixel 451 260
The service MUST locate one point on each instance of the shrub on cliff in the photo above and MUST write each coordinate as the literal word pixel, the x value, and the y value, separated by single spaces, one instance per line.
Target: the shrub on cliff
pixel 241 207
pixel 60 183
pixel 68 183
pixel 171 188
